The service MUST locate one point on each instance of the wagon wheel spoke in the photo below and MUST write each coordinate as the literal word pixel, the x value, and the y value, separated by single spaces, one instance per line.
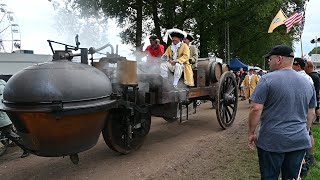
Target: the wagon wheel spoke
pixel 231 91
pixel 226 114
pixel 231 106
pixel 229 88
pixel 223 112
pixel 229 113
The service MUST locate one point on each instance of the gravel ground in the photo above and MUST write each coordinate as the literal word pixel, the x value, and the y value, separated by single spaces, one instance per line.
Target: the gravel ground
pixel 195 149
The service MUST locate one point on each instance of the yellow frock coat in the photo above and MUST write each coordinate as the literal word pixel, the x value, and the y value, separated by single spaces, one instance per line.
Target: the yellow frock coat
pixel 253 84
pixel 183 58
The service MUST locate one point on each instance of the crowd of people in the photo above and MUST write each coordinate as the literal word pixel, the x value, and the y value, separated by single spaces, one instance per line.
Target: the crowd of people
pixel 247 82
pixel 283 106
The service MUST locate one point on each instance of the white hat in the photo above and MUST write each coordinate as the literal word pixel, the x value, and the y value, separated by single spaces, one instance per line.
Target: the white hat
pixel 176 33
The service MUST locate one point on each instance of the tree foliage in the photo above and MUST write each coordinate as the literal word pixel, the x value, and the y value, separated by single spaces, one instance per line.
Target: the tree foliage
pixel 248 22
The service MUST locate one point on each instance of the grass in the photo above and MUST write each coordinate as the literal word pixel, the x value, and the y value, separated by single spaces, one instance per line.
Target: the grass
pixel 314 172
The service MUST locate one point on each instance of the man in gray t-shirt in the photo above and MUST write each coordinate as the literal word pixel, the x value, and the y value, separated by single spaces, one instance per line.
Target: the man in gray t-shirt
pixel 284 104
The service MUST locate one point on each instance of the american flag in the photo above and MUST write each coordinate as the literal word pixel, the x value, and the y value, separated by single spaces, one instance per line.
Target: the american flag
pixel 294 19
pixel 302 25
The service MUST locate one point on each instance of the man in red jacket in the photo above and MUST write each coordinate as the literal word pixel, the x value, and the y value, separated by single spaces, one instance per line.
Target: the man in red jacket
pixel 155 50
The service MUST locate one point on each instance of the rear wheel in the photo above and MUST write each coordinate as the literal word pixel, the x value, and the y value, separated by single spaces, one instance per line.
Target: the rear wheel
pixel 226 100
pixel 124 133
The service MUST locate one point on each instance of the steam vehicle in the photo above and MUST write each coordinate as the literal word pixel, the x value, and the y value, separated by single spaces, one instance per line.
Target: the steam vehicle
pixel 59 108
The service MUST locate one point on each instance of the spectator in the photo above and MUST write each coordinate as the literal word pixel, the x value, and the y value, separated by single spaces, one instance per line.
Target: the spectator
pixel 242 88
pixel 316 81
pixel 285 111
pixel 309 69
pixel 298 65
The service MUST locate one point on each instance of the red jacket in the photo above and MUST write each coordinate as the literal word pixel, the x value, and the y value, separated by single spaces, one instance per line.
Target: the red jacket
pixel 157 52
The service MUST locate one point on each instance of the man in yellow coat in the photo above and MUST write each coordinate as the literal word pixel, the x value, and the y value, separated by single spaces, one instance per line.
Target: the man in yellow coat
pixel 250 82
pixel 177 59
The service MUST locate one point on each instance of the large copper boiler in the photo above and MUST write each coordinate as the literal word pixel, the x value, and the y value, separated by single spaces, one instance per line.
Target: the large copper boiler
pixel 59 107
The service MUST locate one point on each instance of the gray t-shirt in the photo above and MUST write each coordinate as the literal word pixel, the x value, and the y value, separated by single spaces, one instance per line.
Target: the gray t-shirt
pixel 286 96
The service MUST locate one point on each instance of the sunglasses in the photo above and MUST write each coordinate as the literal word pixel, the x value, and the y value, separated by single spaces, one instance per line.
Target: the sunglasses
pixel 295 64
pixel 269 59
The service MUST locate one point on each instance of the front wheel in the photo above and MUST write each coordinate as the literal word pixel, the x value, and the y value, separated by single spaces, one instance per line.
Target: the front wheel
pixel 124 133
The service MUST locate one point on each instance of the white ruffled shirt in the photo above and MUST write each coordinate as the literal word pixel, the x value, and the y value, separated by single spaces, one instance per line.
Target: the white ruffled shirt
pixel 250 77
pixel 174 48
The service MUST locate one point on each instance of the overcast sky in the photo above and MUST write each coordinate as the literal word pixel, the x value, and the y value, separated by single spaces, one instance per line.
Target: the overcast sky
pixel 36 21
pixel 35 18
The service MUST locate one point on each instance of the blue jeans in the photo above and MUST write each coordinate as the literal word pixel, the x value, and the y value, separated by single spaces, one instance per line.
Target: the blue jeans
pixel 271 163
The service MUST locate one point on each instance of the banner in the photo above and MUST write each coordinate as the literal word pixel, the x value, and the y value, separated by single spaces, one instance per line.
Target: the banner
pixel 278 20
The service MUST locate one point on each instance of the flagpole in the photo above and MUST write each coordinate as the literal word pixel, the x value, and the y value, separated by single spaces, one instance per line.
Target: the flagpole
pixel 301 44
pixel 304 13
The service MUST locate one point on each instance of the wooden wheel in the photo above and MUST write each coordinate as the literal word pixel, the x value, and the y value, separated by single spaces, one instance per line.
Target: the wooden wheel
pixel 122 133
pixel 227 100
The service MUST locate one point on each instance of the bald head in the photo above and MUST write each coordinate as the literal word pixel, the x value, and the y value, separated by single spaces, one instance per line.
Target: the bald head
pixel 280 62
pixel 287 61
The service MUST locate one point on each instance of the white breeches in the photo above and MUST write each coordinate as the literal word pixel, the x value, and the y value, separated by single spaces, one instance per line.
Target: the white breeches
pixel 177 69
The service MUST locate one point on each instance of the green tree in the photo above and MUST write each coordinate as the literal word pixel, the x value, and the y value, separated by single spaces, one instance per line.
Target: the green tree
pixel 248 22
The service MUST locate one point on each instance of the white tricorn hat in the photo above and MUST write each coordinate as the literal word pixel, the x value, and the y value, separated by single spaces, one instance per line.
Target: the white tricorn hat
pixel 174 32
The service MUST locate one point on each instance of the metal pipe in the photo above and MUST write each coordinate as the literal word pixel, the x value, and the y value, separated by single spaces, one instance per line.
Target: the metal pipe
pixel 117 49
pixel 105 46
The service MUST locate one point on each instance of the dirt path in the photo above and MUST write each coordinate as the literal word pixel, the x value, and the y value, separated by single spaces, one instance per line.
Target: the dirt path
pixel 196 149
